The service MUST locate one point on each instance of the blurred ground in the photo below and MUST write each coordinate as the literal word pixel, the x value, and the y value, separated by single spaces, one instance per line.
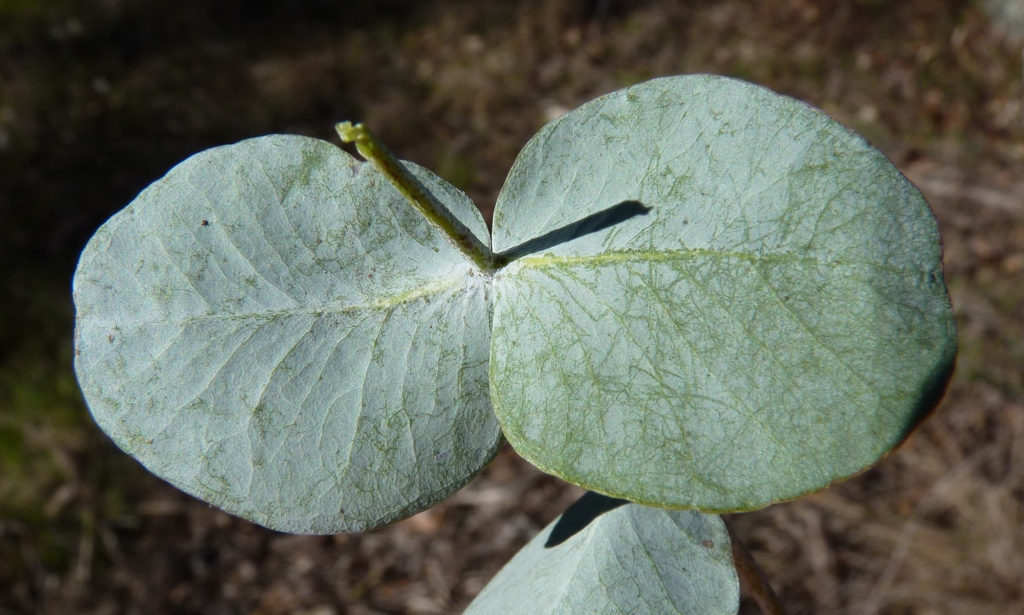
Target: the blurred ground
pixel 100 97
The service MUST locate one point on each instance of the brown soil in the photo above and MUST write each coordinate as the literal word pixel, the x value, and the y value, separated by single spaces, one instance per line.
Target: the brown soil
pixel 99 98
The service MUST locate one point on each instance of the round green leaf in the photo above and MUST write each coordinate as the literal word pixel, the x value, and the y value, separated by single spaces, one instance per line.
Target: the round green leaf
pixel 775 321
pixel 272 328
pixel 634 559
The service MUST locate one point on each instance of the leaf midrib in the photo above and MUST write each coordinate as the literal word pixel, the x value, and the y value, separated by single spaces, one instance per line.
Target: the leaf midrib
pixel 440 287
pixel 546 261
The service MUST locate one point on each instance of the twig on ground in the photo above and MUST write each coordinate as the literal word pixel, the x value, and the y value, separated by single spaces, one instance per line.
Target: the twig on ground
pixel 752 577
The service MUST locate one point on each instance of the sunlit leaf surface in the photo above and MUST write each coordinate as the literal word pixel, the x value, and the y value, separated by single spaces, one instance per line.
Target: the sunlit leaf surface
pixel 773 320
pixel 272 328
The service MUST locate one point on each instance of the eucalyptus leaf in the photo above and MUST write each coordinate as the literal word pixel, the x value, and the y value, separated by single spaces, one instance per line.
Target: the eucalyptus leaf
pixel 704 295
pixel 776 319
pixel 272 328
pixel 634 559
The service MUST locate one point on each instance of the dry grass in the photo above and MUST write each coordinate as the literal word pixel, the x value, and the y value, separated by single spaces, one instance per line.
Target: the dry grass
pixel 460 86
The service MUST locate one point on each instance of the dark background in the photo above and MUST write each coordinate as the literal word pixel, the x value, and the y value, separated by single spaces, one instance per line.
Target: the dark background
pixel 98 98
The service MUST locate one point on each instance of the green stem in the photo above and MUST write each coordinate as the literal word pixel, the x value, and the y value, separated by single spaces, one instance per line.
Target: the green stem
pixel 417 194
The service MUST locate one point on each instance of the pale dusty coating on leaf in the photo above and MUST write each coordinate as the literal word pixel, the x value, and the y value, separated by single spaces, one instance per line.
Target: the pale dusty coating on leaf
pixel 634 559
pixel 776 321
pixel 272 328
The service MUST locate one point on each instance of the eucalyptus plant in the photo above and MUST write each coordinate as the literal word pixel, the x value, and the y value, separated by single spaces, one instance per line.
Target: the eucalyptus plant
pixel 698 297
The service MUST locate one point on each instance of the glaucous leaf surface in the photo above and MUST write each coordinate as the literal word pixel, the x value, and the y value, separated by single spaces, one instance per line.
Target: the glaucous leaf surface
pixel 634 559
pixel 775 321
pixel 272 328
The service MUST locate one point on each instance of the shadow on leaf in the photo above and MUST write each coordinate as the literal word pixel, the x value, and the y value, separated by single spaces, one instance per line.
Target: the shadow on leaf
pixel 593 223
pixel 577 517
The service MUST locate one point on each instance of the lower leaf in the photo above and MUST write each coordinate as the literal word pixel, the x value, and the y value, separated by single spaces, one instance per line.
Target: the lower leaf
pixel 633 559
